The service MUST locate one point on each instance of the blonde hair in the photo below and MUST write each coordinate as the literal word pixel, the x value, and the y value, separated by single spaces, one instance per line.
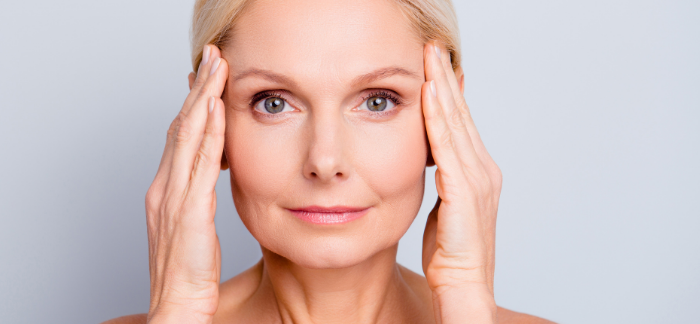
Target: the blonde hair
pixel 433 20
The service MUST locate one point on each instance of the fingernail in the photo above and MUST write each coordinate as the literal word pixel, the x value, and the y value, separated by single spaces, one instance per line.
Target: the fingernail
pixel 437 51
pixel 432 88
pixel 215 65
pixel 211 104
pixel 205 55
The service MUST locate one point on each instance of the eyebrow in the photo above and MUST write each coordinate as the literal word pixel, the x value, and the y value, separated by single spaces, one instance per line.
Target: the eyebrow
pixel 384 73
pixel 266 74
pixel 376 75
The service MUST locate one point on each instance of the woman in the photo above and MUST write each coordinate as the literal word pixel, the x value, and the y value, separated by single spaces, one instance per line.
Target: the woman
pixel 327 113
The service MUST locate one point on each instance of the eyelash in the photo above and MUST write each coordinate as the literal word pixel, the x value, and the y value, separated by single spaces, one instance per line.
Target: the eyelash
pixel 377 93
pixel 262 96
pixel 387 95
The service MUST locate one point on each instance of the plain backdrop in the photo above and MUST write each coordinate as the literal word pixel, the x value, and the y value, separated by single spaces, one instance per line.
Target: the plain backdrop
pixel 590 108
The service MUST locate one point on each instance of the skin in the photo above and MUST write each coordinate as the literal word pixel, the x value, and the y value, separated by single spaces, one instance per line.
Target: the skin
pixel 326 148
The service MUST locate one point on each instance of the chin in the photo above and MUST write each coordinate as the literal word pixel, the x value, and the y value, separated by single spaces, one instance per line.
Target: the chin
pixel 331 251
pixel 334 253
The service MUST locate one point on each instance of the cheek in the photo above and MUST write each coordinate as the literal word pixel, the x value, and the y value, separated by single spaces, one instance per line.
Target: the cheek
pixel 262 161
pixel 392 162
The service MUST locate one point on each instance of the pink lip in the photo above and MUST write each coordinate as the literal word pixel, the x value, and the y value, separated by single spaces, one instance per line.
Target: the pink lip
pixel 329 215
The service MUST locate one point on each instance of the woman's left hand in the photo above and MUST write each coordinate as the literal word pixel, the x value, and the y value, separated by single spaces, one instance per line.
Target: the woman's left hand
pixel 459 238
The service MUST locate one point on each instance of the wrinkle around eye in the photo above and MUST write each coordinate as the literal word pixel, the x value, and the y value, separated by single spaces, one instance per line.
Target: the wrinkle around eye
pixel 406 89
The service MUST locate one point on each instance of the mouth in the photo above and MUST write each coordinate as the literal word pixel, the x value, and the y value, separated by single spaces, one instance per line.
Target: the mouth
pixel 329 215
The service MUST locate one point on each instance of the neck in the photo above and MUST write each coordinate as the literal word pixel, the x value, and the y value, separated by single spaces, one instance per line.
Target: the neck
pixel 370 292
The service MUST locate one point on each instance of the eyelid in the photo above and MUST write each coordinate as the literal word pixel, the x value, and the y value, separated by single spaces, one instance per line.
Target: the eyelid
pixel 388 94
pixel 263 95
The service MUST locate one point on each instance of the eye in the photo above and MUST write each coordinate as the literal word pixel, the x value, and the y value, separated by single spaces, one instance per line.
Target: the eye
pixel 271 105
pixel 378 102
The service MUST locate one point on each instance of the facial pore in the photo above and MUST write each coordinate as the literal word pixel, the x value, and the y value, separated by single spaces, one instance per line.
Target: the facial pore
pixel 300 131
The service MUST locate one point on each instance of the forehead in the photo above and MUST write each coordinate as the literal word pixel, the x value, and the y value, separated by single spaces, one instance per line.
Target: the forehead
pixel 324 39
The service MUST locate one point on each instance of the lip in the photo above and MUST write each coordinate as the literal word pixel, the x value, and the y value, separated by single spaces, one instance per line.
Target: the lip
pixel 329 215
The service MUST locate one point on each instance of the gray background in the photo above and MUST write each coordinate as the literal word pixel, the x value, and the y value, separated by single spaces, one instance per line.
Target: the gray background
pixel 589 107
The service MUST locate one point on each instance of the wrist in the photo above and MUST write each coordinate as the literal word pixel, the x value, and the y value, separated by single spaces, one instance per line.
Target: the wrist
pixel 177 315
pixel 468 302
pixel 198 307
pixel 442 277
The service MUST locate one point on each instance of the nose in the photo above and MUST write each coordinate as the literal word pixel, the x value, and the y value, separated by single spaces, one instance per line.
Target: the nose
pixel 327 160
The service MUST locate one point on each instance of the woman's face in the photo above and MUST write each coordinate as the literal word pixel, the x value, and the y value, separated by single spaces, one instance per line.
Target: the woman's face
pixel 323 109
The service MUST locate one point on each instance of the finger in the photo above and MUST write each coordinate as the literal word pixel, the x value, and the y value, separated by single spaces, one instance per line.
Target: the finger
pixel 207 164
pixel 189 133
pixel 161 176
pixel 435 70
pixel 441 140
pixel 458 96
pixel 463 144
pixel 461 104
pixel 205 65
pixel 451 77
pixel 209 55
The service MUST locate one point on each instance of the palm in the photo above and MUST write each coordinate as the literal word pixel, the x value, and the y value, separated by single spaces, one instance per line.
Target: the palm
pixel 459 235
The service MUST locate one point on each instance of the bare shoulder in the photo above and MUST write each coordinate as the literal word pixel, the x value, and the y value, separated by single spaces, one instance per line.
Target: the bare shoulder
pixel 415 280
pixel 418 284
pixel 506 316
pixel 232 294
pixel 131 319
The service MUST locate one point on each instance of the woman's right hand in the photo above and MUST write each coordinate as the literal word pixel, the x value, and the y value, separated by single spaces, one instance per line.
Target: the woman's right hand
pixel 183 248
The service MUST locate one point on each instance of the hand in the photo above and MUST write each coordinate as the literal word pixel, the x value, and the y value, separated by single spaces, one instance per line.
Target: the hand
pixel 183 248
pixel 459 238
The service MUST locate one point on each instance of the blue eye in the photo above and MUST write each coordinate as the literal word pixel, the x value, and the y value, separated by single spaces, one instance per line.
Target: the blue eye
pixel 378 103
pixel 271 105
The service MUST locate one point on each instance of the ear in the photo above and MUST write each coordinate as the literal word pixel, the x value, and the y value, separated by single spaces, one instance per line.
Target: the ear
pixel 429 161
pixel 192 77
pixel 224 161
pixel 460 76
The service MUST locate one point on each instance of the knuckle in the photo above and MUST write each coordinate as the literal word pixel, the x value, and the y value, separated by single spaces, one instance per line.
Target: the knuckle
pixel 486 183
pixel 455 119
pixel 198 81
pixel 153 198
pixel 171 129
pixel 479 182
pixel 497 177
pixel 175 124
pixel 212 130
pixel 183 133
pixel 446 138
pixel 204 90
pixel 464 108
pixel 170 133
pixel 433 113
pixel 205 148
pixel 202 158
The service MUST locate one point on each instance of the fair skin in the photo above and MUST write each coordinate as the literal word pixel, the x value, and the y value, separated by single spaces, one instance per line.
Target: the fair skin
pixel 325 148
